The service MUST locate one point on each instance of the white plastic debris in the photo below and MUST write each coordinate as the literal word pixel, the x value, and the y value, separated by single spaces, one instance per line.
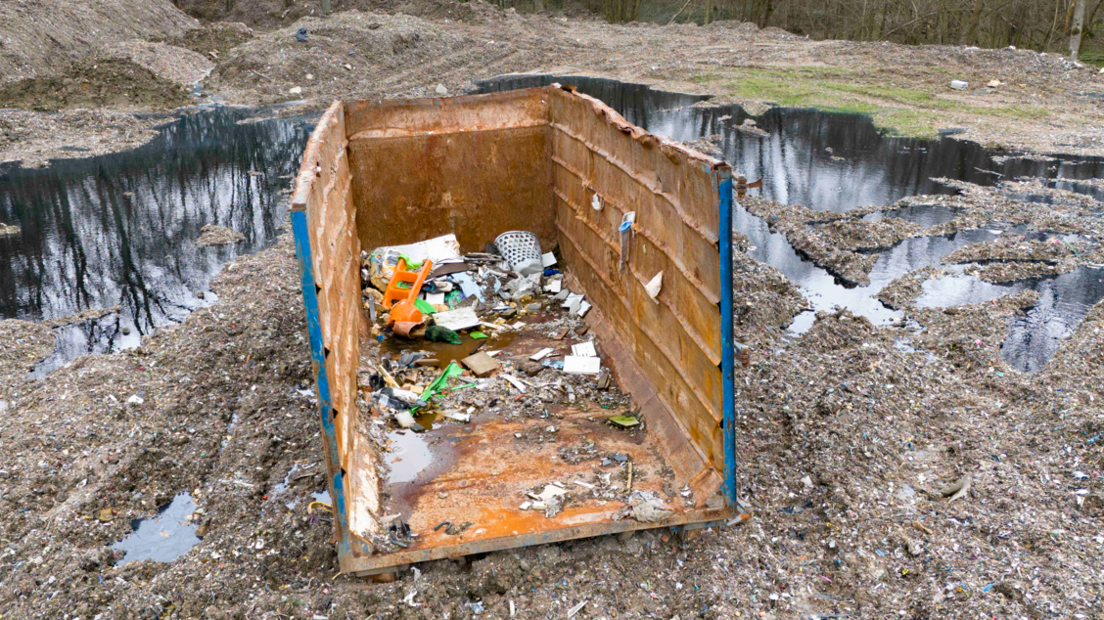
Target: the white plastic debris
pixel 458 416
pixel 441 90
pixel 135 400
pixel 543 353
pixel 585 349
pixel 548 259
pixel 296 90
pixel 596 203
pixel 959 84
pixel 456 320
pixel 404 419
pixel 582 365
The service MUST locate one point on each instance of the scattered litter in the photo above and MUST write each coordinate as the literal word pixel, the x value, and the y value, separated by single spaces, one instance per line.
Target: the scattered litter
pixel 654 286
pixel 481 364
pixel 514 382
pixel 624 421
pixel 959 85
pixel 575 609
pixel 457 320
pixel 585 349
pixel 956 489
pixel 582 365
pixel 548 259
pixel 543 353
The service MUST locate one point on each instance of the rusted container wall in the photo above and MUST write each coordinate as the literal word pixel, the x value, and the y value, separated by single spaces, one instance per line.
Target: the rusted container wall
pixel 475 166
pixel 674 341
pixel 324 223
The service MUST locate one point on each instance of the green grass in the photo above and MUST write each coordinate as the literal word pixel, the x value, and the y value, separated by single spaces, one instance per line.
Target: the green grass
pixel 896 110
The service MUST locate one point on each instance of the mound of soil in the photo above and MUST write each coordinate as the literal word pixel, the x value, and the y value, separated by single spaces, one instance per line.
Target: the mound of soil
pixel 219 37
pixel 270 14
pixel 37 37
pixel 115 82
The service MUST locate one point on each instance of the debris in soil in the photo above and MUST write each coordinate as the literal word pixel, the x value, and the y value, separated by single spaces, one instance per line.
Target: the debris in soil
pixel 9 230
pixel 213 40
pixel 174 64
pixel 213 234
pixel 100 82
pixel 23 344
pixel 33 139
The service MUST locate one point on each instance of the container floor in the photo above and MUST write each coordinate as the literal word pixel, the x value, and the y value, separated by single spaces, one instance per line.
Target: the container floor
pixel 478 475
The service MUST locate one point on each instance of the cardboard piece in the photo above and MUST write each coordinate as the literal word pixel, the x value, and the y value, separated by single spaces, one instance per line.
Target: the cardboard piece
pixel 481 364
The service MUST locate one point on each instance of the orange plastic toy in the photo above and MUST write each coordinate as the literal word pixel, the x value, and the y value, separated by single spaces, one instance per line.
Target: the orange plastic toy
pixel 406 312
pixel 414 278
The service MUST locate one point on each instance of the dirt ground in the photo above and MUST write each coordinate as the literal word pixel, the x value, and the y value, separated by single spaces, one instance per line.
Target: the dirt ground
pixel 846 440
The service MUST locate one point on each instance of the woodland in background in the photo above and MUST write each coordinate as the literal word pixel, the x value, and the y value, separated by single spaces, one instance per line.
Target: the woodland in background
pixel 1043 25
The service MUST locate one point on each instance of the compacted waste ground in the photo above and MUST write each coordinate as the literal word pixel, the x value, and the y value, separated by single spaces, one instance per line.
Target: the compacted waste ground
pixel 852 441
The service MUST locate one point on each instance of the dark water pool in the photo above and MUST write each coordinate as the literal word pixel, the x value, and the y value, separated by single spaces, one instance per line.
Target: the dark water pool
pixel 120 229
pixel 838 162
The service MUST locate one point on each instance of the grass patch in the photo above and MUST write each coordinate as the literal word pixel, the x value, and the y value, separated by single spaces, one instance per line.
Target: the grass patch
pixel 913 112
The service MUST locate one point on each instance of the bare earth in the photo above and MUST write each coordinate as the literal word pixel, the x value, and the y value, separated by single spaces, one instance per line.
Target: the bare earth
pixel 845 440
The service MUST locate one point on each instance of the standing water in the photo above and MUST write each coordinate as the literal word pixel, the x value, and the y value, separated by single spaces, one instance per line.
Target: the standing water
pixel 120 230
pixel 837 162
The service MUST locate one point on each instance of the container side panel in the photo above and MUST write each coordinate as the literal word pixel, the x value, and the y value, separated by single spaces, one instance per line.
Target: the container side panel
pixel 476 185
pixel 323 216
pixel 674 340
pixel 390 118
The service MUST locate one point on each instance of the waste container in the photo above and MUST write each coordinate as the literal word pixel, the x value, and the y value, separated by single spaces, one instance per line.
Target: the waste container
pixel 567 168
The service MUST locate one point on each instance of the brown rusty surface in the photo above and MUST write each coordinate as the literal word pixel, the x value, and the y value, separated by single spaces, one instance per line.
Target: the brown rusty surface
pixel 674 340
pixel 480 473
pixel 389 118
pixel 476 185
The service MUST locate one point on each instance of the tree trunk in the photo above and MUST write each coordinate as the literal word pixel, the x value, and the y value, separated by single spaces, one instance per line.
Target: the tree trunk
pixel 1078 26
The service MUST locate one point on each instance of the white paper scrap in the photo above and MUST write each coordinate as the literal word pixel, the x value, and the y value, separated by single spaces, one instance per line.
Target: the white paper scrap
pixel 547 260
pixel 584 349
pixel 571 299
pixel 539 355
pixel 582 365
pixel 554 286
pixel 583 307
pixel 436 299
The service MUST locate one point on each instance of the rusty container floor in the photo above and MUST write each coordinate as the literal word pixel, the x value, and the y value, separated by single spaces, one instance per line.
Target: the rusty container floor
pixel 480 473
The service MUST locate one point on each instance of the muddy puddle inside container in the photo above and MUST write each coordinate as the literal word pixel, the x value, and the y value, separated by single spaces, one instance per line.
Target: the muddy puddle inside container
pixel 163 538
pixel 838 162
pixel 119 232
pixel 444 353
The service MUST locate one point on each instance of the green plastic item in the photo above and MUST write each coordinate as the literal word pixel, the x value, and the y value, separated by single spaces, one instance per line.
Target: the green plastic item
pixel 424 306
pixel 452 370
pixel 478 335
pixel 461 387
pixel 624 421
pixel 453 299
pixel 436 333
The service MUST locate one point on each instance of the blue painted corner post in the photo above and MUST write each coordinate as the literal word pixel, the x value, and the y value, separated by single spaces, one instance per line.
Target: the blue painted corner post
pixel 318 359
pixel 728 352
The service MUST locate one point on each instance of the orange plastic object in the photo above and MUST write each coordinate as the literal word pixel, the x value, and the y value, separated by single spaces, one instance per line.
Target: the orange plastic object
pixel 406 312
pixel 414 278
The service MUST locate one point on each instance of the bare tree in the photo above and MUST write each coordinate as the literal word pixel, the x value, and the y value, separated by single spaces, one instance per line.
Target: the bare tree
pixel 1078 26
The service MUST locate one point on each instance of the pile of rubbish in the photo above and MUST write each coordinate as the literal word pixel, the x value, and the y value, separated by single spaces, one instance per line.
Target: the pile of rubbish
pixel 442 322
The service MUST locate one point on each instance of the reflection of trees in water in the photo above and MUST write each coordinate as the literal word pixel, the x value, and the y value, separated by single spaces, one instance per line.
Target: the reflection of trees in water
pixel 120 228
pixel 1063 303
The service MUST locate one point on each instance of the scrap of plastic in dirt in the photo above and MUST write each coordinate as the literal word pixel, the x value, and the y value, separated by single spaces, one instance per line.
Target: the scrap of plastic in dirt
pixel 582 365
